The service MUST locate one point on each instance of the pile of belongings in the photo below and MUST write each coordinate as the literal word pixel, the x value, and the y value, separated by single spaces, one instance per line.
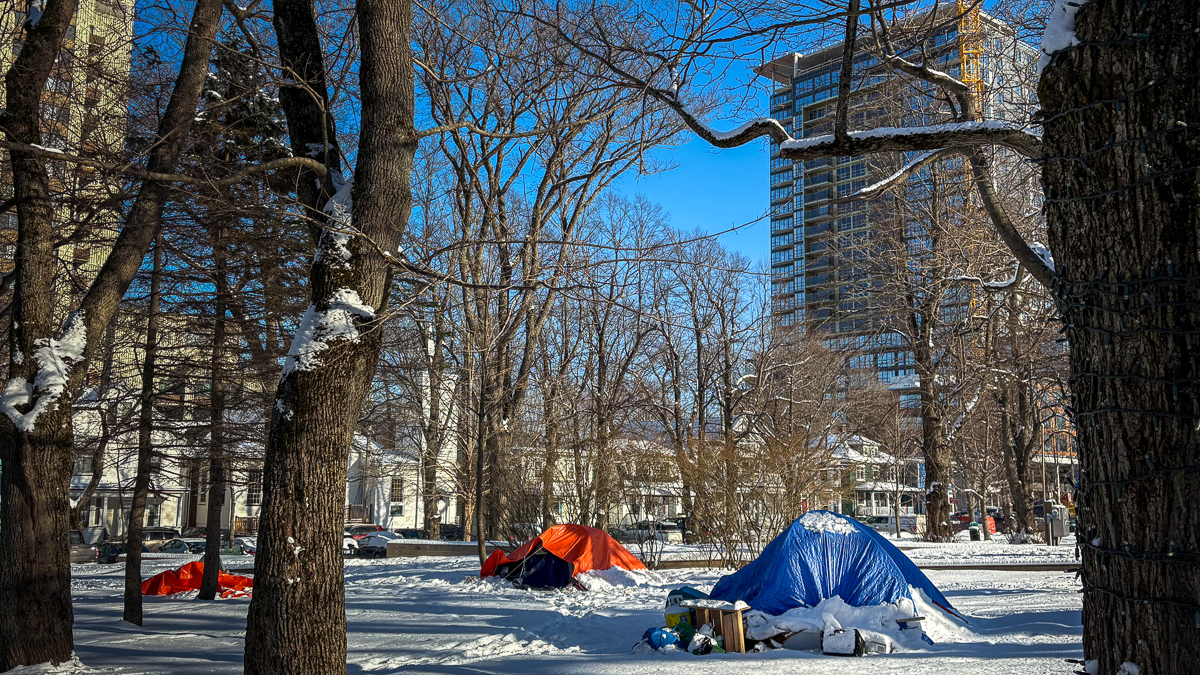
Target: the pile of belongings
pixel 553 558
pixel 831 583
pixel 683 637
pixel 188 577
pixel 691 616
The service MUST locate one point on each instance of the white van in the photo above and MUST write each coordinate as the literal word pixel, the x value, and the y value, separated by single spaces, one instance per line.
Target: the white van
pixel 887 524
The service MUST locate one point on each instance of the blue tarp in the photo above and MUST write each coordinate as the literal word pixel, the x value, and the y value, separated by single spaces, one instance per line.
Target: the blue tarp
pixel 821 555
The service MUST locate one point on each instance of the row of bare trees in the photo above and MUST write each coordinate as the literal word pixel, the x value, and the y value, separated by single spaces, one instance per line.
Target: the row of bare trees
pixel 450 167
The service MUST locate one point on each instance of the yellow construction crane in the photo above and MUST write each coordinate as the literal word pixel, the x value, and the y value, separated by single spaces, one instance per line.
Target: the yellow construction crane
pixel 970 50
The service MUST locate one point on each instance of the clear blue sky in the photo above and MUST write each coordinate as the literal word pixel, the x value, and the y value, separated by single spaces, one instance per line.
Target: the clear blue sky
pixel 712 190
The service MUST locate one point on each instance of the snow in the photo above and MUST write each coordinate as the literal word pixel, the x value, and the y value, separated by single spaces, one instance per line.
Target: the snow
pixel 833 613
pixel 435 615
pixel 54 359
pixel 339 208
pixel 820 521
pixel 888 132
pixel 320 327
pixel 726 135
pixel 1128 668
pixel 1044 253
pixel 72 666
pixel 1060 30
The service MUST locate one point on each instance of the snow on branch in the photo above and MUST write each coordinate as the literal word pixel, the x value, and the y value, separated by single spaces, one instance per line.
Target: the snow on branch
pixel 54 359
pixel 320 327
pixel 919 162
pixel 994 286
pixel 1044 253
pixel 952 135
pixel 1060 30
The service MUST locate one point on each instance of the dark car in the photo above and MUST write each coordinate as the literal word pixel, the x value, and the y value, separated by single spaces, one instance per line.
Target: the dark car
pixel 202 533
pixel 452 532
pixel 410 533
pixel 81 551
pixel 109 551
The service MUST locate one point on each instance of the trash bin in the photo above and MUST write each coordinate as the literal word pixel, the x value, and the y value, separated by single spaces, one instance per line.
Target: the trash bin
pixel 974 529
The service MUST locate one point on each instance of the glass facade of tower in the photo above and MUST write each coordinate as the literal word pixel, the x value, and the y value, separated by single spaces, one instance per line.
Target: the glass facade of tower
pixel 818 247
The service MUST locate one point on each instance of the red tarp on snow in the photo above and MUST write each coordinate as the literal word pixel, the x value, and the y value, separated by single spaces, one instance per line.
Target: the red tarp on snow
pixel 587 547
pixel 187 578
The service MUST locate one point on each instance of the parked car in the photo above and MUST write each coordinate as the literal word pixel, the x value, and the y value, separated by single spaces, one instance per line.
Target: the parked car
pixel 81 551
pixel 622 536
pixel 374 545
pixel 451 532
pixel 195 532
pixel 154 537
pixel 108 551
pixel 410 533
pixel 349 545
pixel 176 547
pixel 360 531
pixel 248 544
pixel 660 530
pixel 693 529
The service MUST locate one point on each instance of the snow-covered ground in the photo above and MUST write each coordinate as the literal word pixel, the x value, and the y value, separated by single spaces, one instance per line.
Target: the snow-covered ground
pixel 432 615
pixel 962 552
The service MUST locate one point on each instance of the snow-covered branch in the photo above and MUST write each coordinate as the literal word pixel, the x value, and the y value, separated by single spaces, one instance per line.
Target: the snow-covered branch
pixel 233 178
pixel 949 136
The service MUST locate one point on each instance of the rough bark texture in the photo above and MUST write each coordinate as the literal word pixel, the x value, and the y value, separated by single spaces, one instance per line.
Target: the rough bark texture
pixel 141 482
pixel 218 464
pixel 35 570
pixel 1122 149
pixel 35 511
pixel 297 619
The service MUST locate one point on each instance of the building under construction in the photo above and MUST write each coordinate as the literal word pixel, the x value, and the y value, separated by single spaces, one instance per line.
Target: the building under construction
pixel 820 245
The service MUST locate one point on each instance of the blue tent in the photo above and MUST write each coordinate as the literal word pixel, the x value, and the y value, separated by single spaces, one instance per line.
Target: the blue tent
pixel 821 555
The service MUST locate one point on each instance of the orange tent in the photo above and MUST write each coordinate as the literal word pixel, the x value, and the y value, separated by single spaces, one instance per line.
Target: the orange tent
pixel 585 547
pixel 187 578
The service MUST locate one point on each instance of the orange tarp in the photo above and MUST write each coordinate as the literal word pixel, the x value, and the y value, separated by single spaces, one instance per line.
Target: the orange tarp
pixel 587 547
pixel 187 578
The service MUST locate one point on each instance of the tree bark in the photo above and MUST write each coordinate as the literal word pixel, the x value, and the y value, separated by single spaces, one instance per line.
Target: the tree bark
pixel 297 620
pixel 38 454
pixel 141 484
pixel 218 469
pixel 1122 195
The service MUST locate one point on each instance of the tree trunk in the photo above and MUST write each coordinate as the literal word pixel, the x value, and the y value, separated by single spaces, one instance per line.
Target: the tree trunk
pixel 141 482
pixel 38 454
pixel 1016 467
pixel 1121 151
pixel 937 455
pixel 218 465
pixel 297 620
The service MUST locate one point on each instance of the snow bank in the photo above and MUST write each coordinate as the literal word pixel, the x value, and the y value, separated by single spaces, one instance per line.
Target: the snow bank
pixel 815 521
pixel 72 666
pixel 835 613
pixel 617 577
